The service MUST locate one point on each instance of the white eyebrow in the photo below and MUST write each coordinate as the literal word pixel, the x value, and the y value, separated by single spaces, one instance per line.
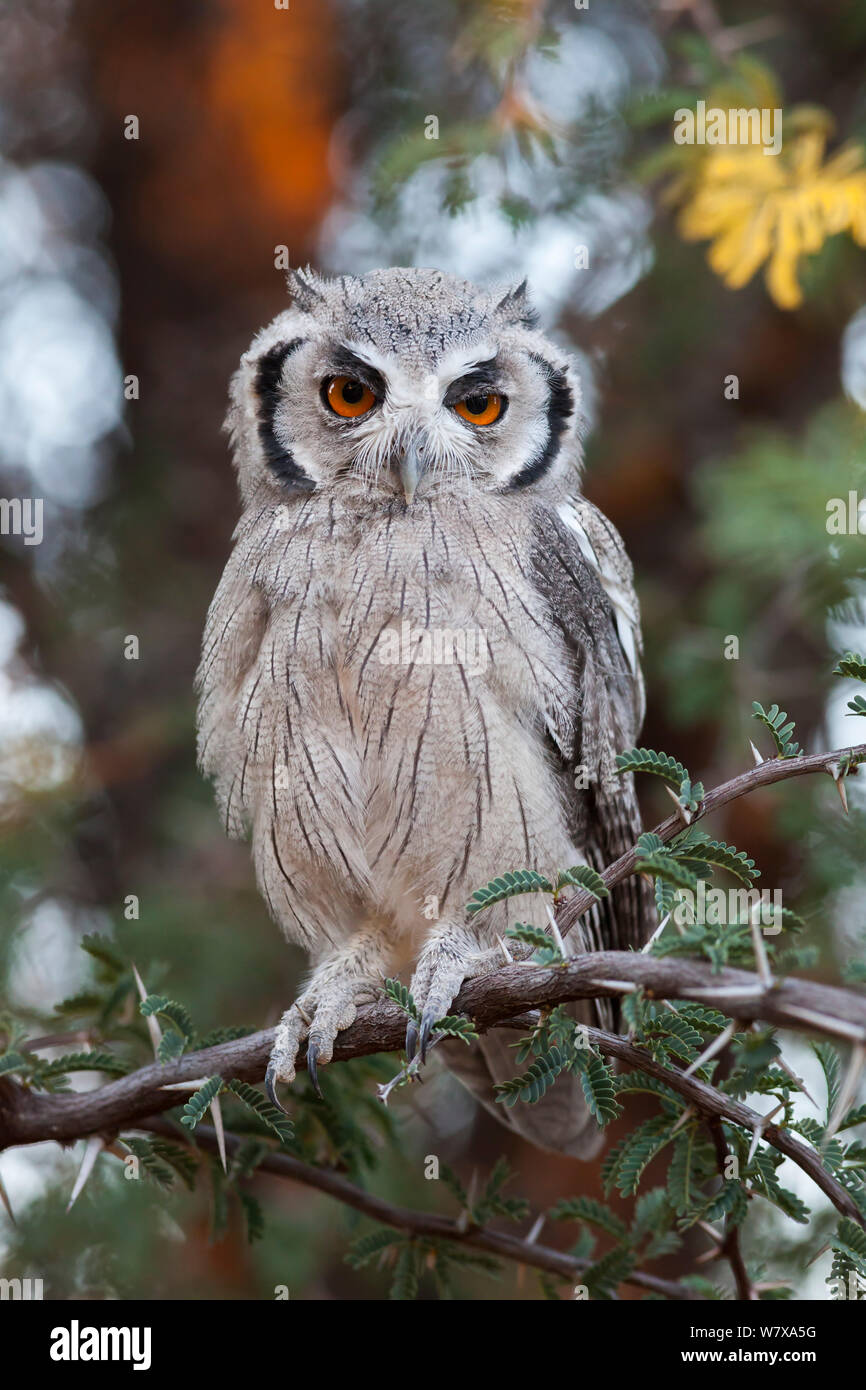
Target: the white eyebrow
pixel 403 383
pixel 462 360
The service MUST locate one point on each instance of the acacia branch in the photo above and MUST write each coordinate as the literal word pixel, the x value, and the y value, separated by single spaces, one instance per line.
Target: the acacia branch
pixel 418 1223
pixel 28 1116
pixel 766 774
pixel 730 1246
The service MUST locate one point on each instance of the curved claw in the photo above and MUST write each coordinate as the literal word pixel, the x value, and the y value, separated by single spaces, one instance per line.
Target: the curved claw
pixel 312 1067
pixel 411 1039
pixel 427 1022
pixel 270 1087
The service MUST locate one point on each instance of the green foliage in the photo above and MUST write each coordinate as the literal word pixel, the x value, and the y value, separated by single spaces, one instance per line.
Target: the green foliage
pixel 647 760
pixel 851 666
pixel 78 1061
pixel 849 1255
pixel 582 876
pixel 199 1102
pixel 456 1026
pixel 597 1080
pixel 14 1062
pixel 831 1065
pixel 535 1081
pixel 253 1215
pixel 774 720
pixel 689 794
pixel 492 1203
pixel 594 1213
pixel 694 847
pixel 260 1106
pixel 546 951
pixel 508 886
pixel 399 994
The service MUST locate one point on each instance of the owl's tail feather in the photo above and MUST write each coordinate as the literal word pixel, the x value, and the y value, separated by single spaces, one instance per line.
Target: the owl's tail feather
pixel 560 1121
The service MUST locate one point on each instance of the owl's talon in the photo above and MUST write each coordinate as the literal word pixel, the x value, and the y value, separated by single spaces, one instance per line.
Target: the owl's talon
pixel 427 1023
pixel 270 1087
pixel 411 1039
pixel 312 1067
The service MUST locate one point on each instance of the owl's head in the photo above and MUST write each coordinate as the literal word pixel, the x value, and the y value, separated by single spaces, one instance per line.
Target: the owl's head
pixel 403 383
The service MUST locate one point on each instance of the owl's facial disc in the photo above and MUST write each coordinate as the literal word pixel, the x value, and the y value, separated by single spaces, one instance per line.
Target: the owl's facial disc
pixel 417 423
pixel 490 412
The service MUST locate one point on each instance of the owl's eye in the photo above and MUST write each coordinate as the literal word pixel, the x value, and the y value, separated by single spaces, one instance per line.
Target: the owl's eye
pixel 348 397
pixel 480 409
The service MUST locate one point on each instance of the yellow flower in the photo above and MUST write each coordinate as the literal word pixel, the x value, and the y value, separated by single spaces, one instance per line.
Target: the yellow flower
pixel 758 208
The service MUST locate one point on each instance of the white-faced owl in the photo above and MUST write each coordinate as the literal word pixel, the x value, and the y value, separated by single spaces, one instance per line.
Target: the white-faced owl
pixel 423 654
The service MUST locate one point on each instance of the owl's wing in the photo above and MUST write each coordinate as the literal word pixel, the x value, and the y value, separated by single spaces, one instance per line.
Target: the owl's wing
pixel 582 569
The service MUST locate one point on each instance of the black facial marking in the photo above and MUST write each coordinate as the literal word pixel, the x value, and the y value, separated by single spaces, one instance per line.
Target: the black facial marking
pixel 347 363
pixel 279 459
pixel 480 381
pixel 560 408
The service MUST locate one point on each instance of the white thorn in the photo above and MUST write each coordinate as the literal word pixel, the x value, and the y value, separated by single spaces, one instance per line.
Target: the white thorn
pixel 711 1232
pixel 707 1256
pixel 4 1198
pixel 621 986
pixel 185 1085
pixel 789 1071
pixel 554 929
pixel 761 958
pixel 817 1256
pixel 755 754
pixel 715 1046
pixel 726 992
pixel 537 1228
pixel 687 1114
pixel 847 1090
pixel 304 1015
pixel 216 1112
pixel 656 934
pixel 153 1027
pixel 824 1023
pixel 757 1136
pixel 684 815
pixel 95 1145
pixel 843 795
pixel 472 1190
pixel 509 959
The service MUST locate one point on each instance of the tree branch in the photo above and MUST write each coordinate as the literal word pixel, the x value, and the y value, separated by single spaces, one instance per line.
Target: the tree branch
pixel 418 1223
pixel 766 774
pixel 28 1116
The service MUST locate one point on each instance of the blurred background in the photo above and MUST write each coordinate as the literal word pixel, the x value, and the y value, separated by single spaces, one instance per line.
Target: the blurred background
pixel 160 164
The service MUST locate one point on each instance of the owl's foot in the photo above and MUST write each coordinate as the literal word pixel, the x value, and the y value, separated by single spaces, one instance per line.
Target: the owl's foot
pixel 321 1012
pixel 446 961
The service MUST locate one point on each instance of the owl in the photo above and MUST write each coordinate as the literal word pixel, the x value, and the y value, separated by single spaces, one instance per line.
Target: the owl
pixel 422 656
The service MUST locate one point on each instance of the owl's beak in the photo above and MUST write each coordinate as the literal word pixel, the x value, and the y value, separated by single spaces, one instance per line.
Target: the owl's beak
pixel 411 468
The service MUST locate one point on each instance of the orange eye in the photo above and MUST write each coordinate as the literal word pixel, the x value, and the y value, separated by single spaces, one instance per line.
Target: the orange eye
pixel 348 397
pixel 480 410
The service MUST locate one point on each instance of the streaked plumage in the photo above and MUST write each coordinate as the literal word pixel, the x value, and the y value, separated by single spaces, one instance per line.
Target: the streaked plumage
pixel 396 695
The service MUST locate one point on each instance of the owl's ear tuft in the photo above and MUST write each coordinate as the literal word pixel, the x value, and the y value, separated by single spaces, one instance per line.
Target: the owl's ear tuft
pixel 514 308
pixel 304 289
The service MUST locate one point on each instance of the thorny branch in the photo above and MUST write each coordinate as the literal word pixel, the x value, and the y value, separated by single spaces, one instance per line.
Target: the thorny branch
pixel 422 1224
pixel 136 1101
